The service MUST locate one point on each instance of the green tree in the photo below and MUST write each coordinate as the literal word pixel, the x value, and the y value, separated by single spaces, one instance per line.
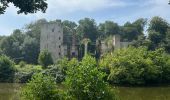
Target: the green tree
pixel 85 82
pixel 69 24
pixel 131 31
pixel 11 45
pixel 87 28
pixel 158 30
pixel 141 41
pixel 158 24
pixel 7 69
pixel 30 50
pixel 167 41
pixel 28 6
pixel 41 87
pixel 108 28
pixel 45 59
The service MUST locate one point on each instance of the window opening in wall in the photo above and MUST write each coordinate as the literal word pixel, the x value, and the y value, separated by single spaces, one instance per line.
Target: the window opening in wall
pixel 59 38
pixel 59 46
pixel 59 53
pixel 53 30
pixel 73 53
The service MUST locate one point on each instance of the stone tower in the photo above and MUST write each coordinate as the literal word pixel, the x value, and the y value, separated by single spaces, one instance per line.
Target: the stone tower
pixel 51 39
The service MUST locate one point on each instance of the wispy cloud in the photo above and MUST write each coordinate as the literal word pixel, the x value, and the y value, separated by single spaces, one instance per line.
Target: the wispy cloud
pixel 117 10
pixel 83 5
pixel 66 7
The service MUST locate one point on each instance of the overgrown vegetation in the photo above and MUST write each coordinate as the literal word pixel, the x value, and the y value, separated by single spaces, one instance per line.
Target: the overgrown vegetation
pixel 41 87
pixel 137 66
pixel 7 69
pixel 24 72
pixel 45 59
pixel 86 78
pixel 84 81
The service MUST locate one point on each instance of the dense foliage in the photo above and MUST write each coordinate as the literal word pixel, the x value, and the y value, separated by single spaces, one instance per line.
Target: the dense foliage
pixel 85 82
pixel 23 46
pixel 28 6
pixel 41 87
pixel 7 69
pixel 24 72
pixel 137 66
pixel 55 71
pixel 45 59
pixel 158 35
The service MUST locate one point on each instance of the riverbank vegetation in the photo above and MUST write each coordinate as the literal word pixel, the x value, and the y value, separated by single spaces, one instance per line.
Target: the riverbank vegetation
pixel 137 66
pixel 145 62
pixel 84 81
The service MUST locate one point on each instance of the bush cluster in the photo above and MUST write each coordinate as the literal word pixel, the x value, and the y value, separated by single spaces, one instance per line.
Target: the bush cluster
pixel 84 81
pixel 7 69
pixel 137 66
pixel 41 87
pixel 24 72
pixel 45 59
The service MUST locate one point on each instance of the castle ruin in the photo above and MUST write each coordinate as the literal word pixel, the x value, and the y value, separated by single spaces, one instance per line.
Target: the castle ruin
pixel 62 45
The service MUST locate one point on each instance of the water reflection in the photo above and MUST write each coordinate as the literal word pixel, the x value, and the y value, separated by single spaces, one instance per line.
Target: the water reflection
pixel 144 93
pixel 11 92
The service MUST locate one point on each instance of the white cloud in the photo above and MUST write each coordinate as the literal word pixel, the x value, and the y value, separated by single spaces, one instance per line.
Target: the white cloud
pixel 62 8
pixel 83 5
pixel 66 7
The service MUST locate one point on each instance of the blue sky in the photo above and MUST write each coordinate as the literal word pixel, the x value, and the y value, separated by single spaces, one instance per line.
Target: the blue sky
pixel 119 11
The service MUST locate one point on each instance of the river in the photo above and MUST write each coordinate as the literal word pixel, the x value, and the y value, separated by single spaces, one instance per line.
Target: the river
pixel 11 92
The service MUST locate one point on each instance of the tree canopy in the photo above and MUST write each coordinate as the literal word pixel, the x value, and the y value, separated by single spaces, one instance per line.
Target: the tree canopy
pixel 18 44
pixel 25 6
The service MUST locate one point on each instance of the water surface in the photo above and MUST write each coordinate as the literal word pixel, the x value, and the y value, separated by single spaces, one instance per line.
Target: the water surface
pixel 11 92
pixel 144 93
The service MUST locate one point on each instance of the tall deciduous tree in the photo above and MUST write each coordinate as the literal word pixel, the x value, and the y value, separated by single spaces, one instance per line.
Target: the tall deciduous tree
pixel 25 6
pixel 158 24
pixel 131 31
pixel 45 59
pixel 108 28
pixel 11 46
pixel 158 30
pixel 87 29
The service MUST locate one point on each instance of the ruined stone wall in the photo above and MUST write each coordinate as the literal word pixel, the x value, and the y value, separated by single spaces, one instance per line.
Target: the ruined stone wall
pixel 52 39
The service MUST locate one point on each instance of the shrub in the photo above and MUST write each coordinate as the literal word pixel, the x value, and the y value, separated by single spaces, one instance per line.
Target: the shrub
pixel 24 74
pixel 85 82
pixel 63 64
pixel 137 66
pixel 56 72
pixel 22 64
pixel 41 87
pixel 45 59
pixel 7 69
